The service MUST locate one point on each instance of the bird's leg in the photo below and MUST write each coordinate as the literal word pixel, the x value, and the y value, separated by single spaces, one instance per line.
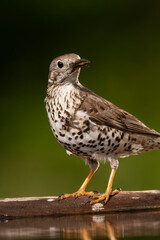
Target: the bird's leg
pixel 81 191
pixel 108 192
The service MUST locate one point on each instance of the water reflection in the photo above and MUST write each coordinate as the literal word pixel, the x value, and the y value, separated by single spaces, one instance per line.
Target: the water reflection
pixel 96 230
pixel 85 227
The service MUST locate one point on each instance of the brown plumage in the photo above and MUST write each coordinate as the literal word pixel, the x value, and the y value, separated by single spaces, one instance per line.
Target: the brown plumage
pixel 103 112
pixel 89 126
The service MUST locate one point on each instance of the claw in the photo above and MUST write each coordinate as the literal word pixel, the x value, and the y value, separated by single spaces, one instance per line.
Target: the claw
pixel 116 191
pixel 76 194
pixel 100 198
pixel 106 196
pixel 95 191
pixel 61 195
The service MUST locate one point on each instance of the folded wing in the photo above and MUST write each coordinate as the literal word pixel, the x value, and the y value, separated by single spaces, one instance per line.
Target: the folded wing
pixel 103 112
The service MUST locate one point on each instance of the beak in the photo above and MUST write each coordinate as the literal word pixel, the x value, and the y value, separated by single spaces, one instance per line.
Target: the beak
pixel 80 63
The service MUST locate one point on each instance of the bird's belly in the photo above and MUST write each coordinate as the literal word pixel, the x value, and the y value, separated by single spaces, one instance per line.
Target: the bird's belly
pixel 94 143
pixel 90 141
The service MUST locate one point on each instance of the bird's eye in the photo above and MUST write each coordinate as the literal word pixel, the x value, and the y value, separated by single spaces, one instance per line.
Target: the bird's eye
pixel 60 64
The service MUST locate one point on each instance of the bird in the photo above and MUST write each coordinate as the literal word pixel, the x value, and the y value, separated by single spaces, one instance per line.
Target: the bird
pixel 89 126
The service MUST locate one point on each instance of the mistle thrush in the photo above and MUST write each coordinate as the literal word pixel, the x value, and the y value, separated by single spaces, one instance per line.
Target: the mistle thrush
pixel 89 126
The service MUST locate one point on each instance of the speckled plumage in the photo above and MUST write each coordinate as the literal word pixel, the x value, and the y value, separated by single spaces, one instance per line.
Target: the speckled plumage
pixel 89 126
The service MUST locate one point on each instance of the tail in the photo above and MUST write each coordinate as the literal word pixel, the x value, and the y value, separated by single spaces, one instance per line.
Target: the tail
pixel 151 142
pixel 157 143
pixel 145 143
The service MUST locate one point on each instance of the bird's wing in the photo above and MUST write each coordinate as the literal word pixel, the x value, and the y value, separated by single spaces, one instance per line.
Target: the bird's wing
pixel 103 112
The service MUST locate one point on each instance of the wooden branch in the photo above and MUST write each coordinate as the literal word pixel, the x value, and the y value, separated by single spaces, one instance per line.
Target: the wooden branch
pixel 53 206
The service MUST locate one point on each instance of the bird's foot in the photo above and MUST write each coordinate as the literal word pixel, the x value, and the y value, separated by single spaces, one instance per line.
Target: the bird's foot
pixel 105 196
pixel 77 194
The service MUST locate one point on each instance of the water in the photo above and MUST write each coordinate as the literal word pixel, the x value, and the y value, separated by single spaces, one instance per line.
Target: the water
pixel 139 225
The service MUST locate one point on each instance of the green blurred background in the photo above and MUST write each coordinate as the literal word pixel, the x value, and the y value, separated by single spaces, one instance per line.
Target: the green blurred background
pixel 122 40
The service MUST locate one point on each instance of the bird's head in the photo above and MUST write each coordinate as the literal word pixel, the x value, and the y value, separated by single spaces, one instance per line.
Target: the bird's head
pixel 65 69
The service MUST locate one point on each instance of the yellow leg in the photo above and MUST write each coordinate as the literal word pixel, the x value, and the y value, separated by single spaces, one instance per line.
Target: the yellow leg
pixel 81 191
pixel 108 192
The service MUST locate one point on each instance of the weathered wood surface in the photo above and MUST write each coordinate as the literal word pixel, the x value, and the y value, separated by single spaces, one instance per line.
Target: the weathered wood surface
pixel 53 206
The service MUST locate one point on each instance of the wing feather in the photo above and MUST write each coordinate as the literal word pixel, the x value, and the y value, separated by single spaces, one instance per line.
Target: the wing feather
pixel 104 112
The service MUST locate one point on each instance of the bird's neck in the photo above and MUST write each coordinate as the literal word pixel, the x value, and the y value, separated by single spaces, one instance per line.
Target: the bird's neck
pixel 66 88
